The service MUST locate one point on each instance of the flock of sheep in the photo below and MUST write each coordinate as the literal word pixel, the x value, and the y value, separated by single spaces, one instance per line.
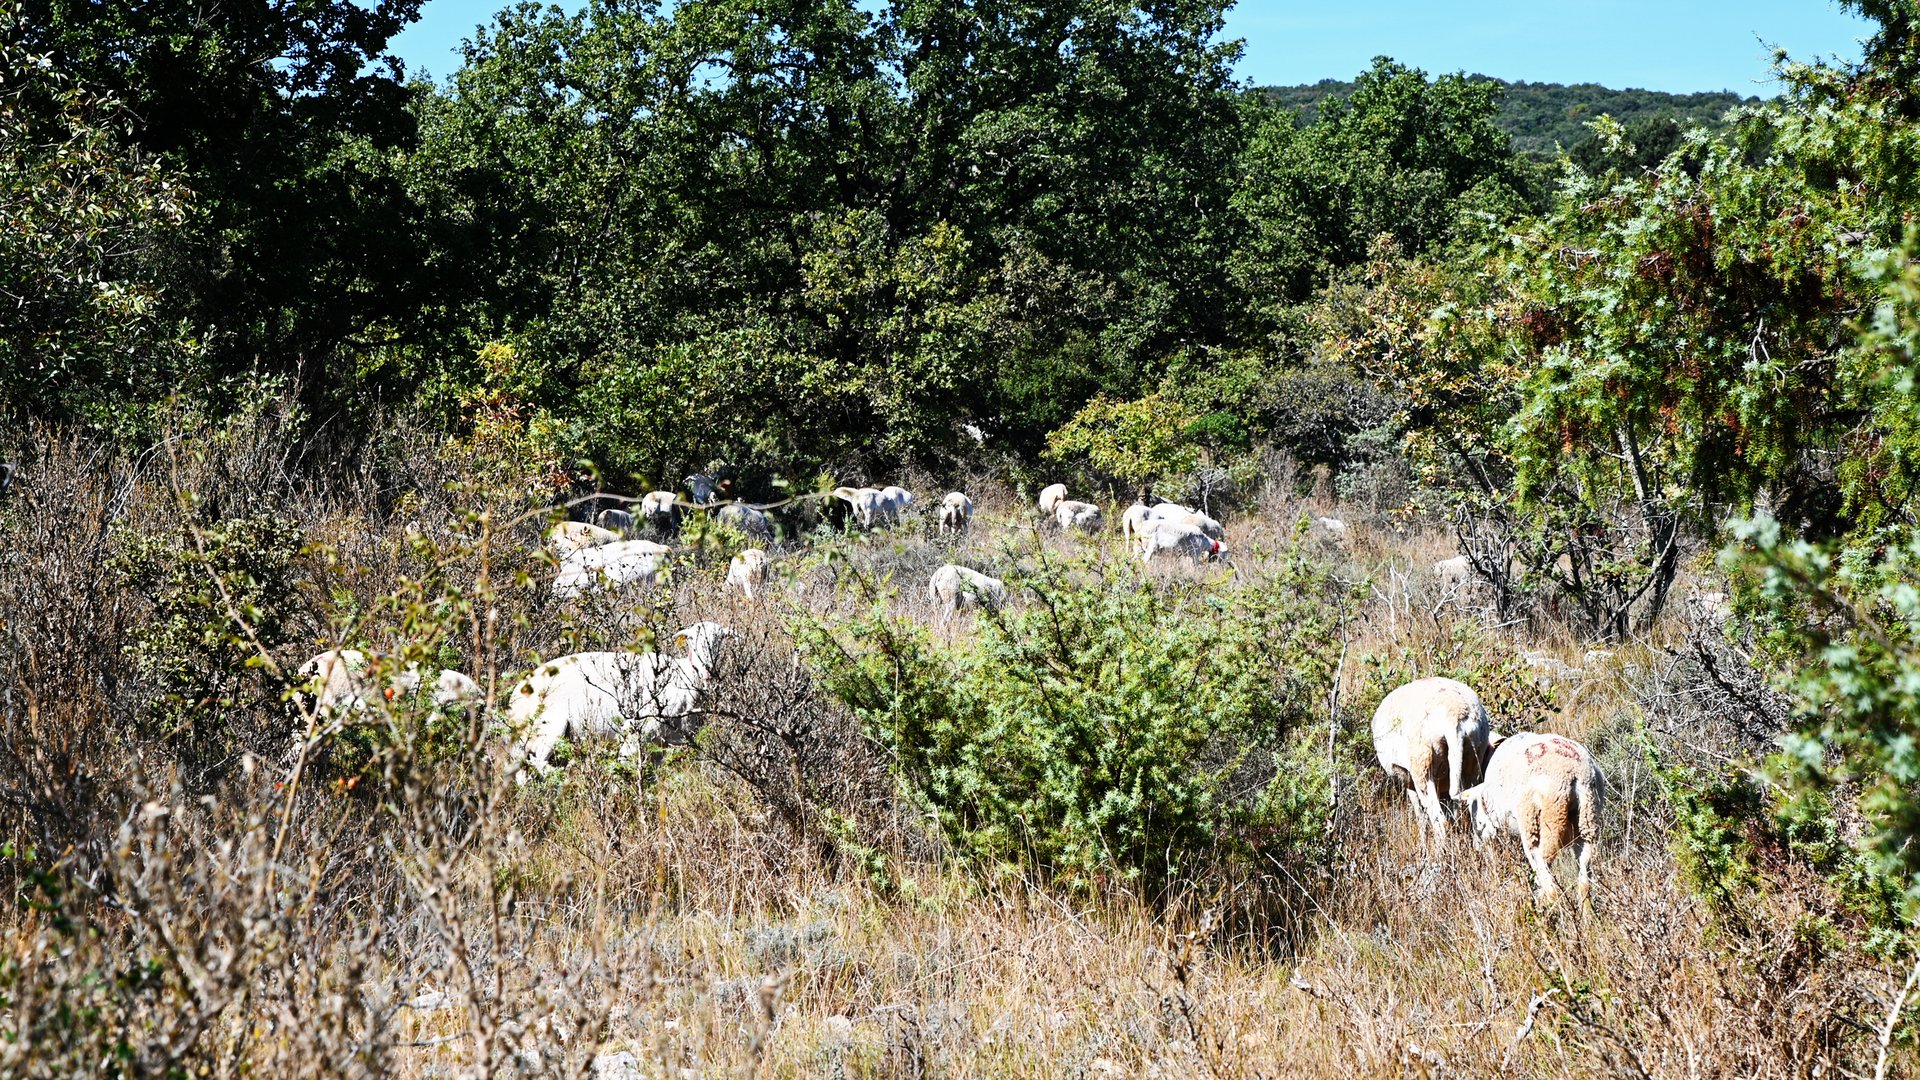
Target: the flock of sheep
pixel 1431 736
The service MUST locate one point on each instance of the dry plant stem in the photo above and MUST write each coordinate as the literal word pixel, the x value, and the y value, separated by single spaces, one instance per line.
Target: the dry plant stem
pixel 1526 1026
pixel 1893 1019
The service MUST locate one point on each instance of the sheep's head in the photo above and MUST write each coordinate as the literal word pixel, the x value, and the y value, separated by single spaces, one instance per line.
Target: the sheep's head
pixel 1484 826
pixel 702 642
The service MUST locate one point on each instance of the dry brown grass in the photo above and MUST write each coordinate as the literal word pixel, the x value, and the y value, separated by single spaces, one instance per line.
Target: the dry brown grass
pixel 712 917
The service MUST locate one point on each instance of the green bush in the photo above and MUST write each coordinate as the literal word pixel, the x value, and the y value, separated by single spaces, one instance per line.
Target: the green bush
pixel 1106 729
pixel 219 594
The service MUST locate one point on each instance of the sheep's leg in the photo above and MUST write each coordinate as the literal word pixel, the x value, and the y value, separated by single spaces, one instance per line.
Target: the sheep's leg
pixel 1545 891
pixel 538 746
pixel 1419 817
pixel 1436 813
pixel 1583 855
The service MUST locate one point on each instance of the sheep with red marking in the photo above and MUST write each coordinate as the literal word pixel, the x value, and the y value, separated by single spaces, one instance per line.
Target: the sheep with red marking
pixel 1546 790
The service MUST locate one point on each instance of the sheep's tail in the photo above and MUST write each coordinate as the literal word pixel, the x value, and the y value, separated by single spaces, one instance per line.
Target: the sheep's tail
pixel 1589 789
pixel 1455 746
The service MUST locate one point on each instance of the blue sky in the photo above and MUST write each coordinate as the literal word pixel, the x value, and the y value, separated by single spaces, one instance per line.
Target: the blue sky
pixel 1675 45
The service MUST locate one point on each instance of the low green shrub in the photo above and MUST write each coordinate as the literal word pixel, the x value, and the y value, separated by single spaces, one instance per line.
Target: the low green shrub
pixel 1106 728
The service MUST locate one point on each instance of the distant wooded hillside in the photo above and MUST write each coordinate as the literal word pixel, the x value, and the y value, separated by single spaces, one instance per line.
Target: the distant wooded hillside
pixel 1540 115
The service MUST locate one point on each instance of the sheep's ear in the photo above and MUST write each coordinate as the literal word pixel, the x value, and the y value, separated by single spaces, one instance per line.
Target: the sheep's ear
pixel 1493 740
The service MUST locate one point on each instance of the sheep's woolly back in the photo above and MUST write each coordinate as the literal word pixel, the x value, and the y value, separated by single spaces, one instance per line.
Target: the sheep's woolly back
pixel 1431 736
pixel 958 586
pixel 1426 709
pixel 747 571
pixel 956 512
pixel 571 536
pixel 1076 515
pixel 1179 538
pixel 1546 788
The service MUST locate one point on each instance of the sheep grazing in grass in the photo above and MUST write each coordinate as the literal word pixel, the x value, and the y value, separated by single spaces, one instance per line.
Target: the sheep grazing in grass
pixel 640 697
pixel 954 587
pixel 1335 530
pixel 1546 790
pixel 895 500
pixel 956 513
pixel 752 524
pixel 1454 573
pixel 618 521
pixel 660 510
pixel 570 536
pixel 1182 516
pixel 347 680
pixel 612 565
pixel 868 505
pixel 1431 737
pixel 748 571
pixel 1140 519
pixel 1083 516
pixel 1178 538
pixel 1051 496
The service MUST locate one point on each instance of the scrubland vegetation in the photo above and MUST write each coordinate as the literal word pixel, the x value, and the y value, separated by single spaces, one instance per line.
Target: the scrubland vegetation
pixel 299 355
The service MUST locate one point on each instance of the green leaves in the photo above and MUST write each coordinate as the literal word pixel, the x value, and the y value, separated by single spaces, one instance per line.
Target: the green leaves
pixel 1105 729
pixel 86 329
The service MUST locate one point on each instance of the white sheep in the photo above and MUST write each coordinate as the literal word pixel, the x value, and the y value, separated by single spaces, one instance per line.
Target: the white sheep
pixel 1335 530
pixel 1050 497
pixel 1183 516
pixel 567 537
pixel 867 504
pixel 346 680
pixel 660 510
pixel 1546 790
pixel 956 513
pixel 897 500
pixel 1141 518
pixel 747 571
pixel 753 524
pixel 640 697
pixel 1070 514
pixel 954 587
pixel 1179 538
pixel 1431 737
pixel 1454 573
pixel 613 565
pixel 619 521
